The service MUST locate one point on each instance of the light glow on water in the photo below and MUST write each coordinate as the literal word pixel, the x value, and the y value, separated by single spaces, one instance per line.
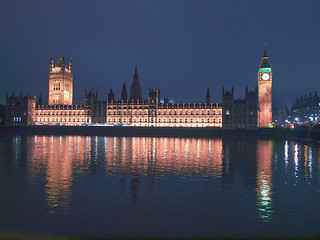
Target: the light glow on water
pixel 205 186
pixel 264 179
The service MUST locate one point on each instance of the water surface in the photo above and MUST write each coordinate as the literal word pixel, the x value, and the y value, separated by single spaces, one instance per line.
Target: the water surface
pixel 159 187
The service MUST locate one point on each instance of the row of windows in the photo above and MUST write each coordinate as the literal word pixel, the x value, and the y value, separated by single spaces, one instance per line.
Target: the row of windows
pixel 59 107
pixel 62 113
pixel 134 107
pixel 190 113
pixel 164 113
pixel 17 119
pixel 186 120
pixel 62 120
pixel 123 105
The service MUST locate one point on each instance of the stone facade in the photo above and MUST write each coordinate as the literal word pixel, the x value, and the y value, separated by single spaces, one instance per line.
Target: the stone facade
pixel 305 110
pixel 20 110
pixel 70 115
pixel 265 91
pixel 152 113
pixel 239 113
pixel 60 83
pixel 251 112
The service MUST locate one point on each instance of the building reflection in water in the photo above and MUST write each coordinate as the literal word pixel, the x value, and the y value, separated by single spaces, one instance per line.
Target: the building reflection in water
pixel 264 179
pixel 298 165
pixel 134 160
pixel 57 157
pixel 163 156
pixel 155 158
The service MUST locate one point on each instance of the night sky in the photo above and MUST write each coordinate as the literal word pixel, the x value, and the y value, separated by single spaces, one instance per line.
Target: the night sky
pixel 181 47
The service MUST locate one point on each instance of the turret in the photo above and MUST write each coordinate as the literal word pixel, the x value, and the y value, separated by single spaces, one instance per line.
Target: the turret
pixel 90 98
pixel 40 102
pixel 135 76
pixel 124 95
pixel 135 89
pixel 51 65
pixel 60 83
pixel 70 65
pixel 110 95
pixel 153 96
pixel 62 63
pixel 265 59
pixel 208 98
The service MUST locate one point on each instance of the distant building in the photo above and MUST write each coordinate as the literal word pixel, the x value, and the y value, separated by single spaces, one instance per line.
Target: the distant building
pixel 2 114
pixel 239 113
pixel 20 110
pixel 98 108
pixel 305 110
pixel 72 115
pixel 255 110
pixel 60 110
pixel 280 115
pixel 153 113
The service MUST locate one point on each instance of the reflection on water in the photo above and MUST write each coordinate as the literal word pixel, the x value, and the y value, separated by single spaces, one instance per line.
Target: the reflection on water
pixel 59 157
pixel 232 170
pixel 62 156
pixel 264 179
pixel 163 156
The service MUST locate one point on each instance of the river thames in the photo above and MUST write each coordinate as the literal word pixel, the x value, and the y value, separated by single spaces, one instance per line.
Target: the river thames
pixel 87 186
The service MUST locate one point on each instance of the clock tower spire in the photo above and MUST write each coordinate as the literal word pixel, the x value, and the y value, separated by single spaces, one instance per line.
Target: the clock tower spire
pixel 264 91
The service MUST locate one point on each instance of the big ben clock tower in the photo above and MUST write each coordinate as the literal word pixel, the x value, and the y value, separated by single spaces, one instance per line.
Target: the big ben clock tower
pixel 264 91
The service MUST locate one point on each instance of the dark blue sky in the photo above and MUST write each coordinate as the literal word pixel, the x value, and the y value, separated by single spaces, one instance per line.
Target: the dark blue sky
pixel 181 47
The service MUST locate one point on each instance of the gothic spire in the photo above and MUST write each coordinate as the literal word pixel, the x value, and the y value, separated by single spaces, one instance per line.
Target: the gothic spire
pixel 135 76
pixel 208 99
pixel 135 89
pixel 110 95
pixel 265 59
pixel 124 95
pixel 265 50
pixel 51 64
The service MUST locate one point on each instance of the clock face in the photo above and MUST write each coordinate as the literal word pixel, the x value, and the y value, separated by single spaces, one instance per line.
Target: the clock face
pixel 265 76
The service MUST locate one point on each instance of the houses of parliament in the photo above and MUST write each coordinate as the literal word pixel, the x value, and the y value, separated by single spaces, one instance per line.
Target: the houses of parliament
pixel 254 111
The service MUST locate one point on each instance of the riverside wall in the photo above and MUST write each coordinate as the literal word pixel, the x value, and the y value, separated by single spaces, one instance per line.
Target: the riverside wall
pixel 120 131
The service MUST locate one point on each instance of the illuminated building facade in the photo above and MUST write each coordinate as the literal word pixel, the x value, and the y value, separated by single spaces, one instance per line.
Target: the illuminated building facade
pixel 60 83
pixel 60 110
pixel 73 115
pixel 255 110
pixel 151 113
pixel 264 91
pixel 132 110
